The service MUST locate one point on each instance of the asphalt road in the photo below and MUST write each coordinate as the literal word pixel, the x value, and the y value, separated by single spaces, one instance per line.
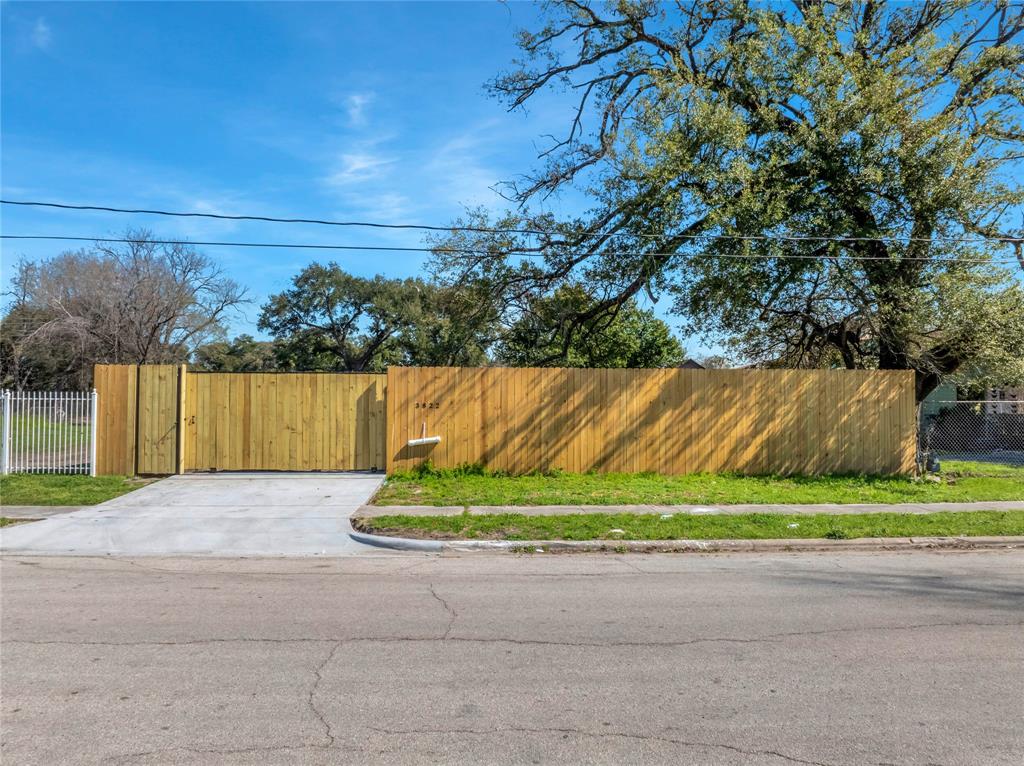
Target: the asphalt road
pixel 691 659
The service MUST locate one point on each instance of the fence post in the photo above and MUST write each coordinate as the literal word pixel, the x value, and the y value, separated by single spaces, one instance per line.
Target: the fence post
pixel 179 461
pixel 93 410
pixel 7 433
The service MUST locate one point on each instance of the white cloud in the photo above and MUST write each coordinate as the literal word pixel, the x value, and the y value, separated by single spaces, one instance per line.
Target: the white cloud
pixel 358 167
pixel 41 35
pixel 460 169
pixel 386 207
pixel 355 107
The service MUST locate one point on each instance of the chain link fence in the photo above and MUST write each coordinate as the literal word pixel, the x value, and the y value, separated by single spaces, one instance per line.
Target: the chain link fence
pixel 986 433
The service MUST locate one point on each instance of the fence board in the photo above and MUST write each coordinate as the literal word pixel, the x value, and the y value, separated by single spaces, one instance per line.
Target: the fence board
pixel 675 421
pixel 115 426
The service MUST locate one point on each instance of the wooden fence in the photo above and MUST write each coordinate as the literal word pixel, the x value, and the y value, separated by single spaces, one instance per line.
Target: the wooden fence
pixel 669 421
pixel 162 419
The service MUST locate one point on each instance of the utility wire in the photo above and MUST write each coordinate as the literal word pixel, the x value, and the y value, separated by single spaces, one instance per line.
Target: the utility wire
pixel 486 230
pixel 488 253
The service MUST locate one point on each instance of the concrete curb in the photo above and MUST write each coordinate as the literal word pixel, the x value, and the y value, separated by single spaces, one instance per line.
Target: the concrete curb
pixel 692 546
pixel 398 543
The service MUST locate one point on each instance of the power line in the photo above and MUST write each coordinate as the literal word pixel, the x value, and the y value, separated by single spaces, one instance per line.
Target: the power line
pixel 488 253
pixel 487 230
pixel 268 219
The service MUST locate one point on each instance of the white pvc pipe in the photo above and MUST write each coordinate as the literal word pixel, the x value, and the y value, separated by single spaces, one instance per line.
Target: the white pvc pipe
pixel 424 440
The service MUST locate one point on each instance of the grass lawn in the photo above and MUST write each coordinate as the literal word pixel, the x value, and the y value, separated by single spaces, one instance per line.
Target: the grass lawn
pixel 35 432
pixel 751 526
pixel 66 489
pixel 961 482
pixel 6 522
pixel 954 468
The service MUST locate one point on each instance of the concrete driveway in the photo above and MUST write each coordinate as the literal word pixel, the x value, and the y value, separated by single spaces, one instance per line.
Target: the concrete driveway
pixel 227 514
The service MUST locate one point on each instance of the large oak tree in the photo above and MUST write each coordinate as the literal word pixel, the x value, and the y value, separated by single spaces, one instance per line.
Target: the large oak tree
pixel 818 183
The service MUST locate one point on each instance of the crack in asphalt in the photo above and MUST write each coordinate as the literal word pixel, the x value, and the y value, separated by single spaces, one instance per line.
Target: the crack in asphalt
pixel 632 565
pixel 310 700
pixel 310 703
pixel 452 614
pixel 520 641
pixel 596 735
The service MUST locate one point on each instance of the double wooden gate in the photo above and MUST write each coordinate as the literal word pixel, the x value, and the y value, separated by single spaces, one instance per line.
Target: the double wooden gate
pixel 161 419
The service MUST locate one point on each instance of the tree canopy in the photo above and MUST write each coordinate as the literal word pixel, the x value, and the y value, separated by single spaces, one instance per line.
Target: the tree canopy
pixel 243 354
pixel 635 337
pixel 332 320
pixel 820 183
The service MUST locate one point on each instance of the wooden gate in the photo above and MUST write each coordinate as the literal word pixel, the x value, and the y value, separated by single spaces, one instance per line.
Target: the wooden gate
pixel 283 421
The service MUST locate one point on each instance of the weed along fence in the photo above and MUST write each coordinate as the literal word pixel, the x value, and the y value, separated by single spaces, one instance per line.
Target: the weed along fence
pixel 163 419
pixel 670 421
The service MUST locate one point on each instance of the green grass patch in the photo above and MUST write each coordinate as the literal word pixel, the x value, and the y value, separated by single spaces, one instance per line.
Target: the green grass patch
pixel 751 526
pixel 6 522
pixel 955 468
pixel 473 485
pixel 66 489
pixel 34 433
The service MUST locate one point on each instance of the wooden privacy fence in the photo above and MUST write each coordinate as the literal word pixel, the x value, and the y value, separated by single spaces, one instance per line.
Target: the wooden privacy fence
pixel 162 419
pixel 671 421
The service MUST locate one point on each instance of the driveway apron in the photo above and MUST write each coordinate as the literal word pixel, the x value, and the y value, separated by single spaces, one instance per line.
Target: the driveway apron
pixel 224 514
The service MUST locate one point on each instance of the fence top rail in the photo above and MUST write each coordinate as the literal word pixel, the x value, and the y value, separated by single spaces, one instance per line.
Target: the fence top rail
pixel 16 392
pixel 282 372
pixel 665 369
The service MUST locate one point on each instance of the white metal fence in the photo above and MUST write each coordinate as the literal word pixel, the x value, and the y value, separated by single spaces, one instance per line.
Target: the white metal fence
pixel 49 432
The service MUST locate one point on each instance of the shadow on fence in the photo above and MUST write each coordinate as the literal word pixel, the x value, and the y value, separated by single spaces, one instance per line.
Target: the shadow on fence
pixel 668 421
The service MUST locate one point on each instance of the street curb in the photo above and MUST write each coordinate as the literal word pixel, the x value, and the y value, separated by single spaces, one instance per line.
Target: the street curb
pixel 398 543
pixel 692 546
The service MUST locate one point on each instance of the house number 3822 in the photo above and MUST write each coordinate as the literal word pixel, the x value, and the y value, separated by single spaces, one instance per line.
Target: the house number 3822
pixel 427 405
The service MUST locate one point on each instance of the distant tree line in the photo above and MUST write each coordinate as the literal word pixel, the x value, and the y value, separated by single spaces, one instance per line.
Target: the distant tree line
pixel 132 303
pixel 145 302
pixel 331 320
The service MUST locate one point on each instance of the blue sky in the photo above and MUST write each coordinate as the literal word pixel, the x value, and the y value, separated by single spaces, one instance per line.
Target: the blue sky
pixel 372 111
